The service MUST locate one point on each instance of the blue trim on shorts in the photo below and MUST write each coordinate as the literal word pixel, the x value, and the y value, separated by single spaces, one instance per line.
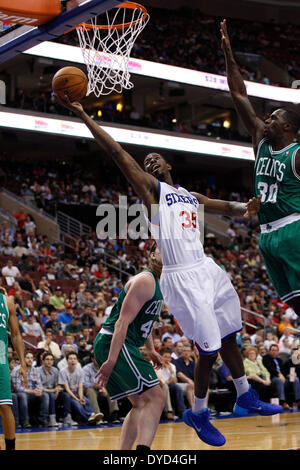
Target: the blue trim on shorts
pixel 231 334
pixel 205 352
pixel 216 350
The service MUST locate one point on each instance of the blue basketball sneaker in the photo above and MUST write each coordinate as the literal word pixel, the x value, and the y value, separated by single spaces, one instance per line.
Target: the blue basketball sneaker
pixel 249 402
pixel 205 430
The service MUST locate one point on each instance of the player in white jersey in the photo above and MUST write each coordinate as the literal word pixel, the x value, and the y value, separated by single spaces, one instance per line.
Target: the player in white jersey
pixel 198 293
pixel 191 281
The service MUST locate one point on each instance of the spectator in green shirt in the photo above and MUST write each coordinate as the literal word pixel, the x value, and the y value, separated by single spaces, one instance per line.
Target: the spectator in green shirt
pixel 58 300
pixel 257 375
pixel 75 326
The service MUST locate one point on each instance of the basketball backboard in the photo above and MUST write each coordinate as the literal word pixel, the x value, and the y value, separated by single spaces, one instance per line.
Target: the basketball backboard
pixel 17 38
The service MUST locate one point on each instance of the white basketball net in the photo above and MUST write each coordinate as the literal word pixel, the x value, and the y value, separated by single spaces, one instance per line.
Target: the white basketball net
pixel 106 52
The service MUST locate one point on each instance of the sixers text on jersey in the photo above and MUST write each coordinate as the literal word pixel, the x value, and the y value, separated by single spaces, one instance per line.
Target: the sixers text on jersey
pixel 173 198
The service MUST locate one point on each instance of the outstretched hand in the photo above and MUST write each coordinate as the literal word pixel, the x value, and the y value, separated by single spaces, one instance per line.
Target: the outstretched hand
pixel 225 44
pixel 75 107
pixel 253 206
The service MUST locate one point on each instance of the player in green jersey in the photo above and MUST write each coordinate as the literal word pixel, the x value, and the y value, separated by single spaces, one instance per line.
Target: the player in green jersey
pixel 277 182
pixel 8 319
pixel 124 371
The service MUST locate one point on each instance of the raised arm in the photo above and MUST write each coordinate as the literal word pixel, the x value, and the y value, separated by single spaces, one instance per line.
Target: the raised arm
pixel 139 291
pixel 144 184
pixel 229 208
pixel 253 124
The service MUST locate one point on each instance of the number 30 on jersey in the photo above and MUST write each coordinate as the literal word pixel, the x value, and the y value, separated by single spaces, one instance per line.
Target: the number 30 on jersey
pixel 268 192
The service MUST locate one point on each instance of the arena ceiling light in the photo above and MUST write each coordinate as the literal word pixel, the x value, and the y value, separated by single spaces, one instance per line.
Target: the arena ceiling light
pixel 169 72
pixel 195 145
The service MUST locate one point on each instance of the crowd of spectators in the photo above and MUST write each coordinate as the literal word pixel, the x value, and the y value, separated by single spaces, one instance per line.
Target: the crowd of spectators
pixel 50 183
pixel 188 38
pixel 44 102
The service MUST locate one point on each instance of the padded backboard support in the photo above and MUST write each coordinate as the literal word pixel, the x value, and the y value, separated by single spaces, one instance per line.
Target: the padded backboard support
pixel 25 37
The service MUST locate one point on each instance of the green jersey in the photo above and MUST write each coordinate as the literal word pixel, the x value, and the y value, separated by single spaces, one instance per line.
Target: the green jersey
pixel 141 327
pixel 277 182
pixel 4 315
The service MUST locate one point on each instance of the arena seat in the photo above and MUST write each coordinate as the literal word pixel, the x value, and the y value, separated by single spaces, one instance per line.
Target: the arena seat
pixel 70 284
pixel 31 342
pixel 59 339
pixel 131 249
pixel 3 260
pixel 33 259
pixel 284 356
pixel 35 275
pixel 67 285
pixel 78 311
pixel 26 296
pixel 15 259
pixel 36 304
pixel 53 283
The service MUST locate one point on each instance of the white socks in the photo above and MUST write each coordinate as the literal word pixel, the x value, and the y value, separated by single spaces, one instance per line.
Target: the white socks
pixel 241 384
pixel 200 404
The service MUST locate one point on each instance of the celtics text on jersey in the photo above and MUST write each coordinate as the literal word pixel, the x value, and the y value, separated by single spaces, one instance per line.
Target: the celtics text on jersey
pixel 141 327
pixel 277 182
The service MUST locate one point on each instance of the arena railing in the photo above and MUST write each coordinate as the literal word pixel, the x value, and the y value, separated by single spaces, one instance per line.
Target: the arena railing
pixel 71 227
pixel 45 223
pixel 266 322
pixel 27 203
pixel 113 266
pixel 26 343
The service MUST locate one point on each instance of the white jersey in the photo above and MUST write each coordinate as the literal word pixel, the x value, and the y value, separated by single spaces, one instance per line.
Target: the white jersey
pixel 175 226
pixel 196 290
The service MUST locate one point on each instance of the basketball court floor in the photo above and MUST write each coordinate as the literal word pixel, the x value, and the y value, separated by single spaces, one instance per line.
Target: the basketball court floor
pixel 280 432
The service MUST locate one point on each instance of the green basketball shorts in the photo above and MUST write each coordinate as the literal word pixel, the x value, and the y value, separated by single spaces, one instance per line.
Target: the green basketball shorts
pixel 132 373
pixel 281 251
pixel 5 388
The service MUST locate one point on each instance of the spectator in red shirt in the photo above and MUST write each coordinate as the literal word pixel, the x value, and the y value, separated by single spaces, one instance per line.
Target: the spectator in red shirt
pixel 21 217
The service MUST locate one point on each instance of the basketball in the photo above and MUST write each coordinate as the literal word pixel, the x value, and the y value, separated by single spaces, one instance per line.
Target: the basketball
pixel 70 79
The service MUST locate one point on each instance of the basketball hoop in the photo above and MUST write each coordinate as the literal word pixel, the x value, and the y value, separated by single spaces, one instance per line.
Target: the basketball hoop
pixel 106 47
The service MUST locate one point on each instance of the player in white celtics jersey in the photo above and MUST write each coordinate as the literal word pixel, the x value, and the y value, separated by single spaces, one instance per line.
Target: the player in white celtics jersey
pixel 8 320
pixel 277 182
pixel 196 290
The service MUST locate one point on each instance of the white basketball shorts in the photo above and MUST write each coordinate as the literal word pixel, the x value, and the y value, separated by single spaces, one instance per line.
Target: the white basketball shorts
pixel 203 301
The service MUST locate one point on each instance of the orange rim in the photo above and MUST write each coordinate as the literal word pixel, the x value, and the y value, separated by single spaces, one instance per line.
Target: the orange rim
pixel 129 5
